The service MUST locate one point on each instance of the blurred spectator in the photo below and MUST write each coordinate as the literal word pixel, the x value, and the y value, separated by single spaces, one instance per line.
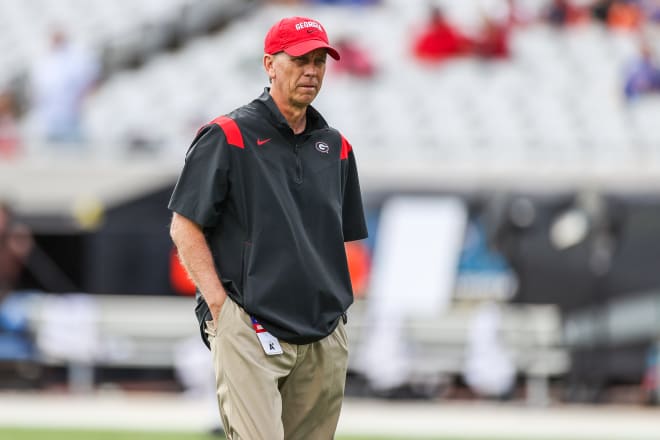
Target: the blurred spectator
pixel 644 75
pixel 15 246
pixel 562 13
pixel 439 39
pixel 9 132
pixel 179 279
pixel 649 385
pixel 61 81
pixel 355 60
pixel 624 15
pixel 600 10
pixel 359 266
pixel 493 40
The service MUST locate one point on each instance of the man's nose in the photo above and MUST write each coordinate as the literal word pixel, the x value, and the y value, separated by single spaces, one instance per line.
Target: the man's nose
pixel 311 69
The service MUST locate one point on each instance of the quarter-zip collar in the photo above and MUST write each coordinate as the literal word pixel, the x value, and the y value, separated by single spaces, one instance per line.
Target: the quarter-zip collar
pixel 267 106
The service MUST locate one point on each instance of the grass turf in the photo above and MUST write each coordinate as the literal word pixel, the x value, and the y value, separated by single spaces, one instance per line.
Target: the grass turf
pixel 79 434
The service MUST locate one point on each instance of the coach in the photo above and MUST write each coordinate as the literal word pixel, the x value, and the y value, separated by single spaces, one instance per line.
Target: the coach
pixel 266 199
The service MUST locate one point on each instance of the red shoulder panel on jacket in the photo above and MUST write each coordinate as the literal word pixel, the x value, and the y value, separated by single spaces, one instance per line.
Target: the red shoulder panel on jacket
pixel 232 132
pixel 345 148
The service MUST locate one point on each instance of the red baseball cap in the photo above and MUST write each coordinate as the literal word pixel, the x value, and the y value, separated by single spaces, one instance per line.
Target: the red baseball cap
pixel 297 36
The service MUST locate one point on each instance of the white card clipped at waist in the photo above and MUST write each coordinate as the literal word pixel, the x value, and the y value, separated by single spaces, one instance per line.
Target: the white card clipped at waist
pixel 269 343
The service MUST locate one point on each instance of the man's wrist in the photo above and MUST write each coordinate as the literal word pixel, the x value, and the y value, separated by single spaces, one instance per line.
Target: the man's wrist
pixel 215 300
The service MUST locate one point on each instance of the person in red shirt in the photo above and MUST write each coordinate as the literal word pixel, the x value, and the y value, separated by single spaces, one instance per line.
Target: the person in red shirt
pixel 493 41
pixel 179 279
pixel 9 132
pixel 625 16
pixel 15 247
pixel 355 60
pixel 440 40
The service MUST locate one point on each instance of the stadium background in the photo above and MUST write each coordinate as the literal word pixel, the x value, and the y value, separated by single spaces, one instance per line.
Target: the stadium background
pixel 556 169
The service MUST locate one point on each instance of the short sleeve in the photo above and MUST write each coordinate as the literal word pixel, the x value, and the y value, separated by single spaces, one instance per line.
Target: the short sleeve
pixel 354 223
pixel 203 183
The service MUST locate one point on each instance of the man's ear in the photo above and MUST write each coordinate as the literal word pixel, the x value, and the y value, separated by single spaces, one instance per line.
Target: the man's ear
pixel 268 66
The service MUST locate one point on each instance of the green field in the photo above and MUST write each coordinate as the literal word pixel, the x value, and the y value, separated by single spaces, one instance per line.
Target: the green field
pixel 79 434
pixel 69 434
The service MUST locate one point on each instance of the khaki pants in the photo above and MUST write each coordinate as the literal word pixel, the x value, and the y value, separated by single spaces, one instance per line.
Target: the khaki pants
pixel 296 395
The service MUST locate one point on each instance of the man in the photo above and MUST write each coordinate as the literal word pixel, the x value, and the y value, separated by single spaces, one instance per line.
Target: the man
pixel 266 199
pixel 15 246
pixel 61 81
pixel 643 76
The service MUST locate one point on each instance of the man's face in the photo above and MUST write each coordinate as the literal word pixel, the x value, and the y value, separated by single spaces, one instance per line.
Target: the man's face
pixel 297 79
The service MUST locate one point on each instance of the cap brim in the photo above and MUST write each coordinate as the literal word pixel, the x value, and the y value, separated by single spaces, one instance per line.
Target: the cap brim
pixel 304 47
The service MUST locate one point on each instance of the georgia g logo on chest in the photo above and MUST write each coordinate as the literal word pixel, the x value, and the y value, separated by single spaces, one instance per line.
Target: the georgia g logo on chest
pixel 322 147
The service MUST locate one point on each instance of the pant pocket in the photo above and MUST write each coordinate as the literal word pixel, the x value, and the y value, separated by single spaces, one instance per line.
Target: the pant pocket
pixel 203 315
pixel 342 336
pixel 210 329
